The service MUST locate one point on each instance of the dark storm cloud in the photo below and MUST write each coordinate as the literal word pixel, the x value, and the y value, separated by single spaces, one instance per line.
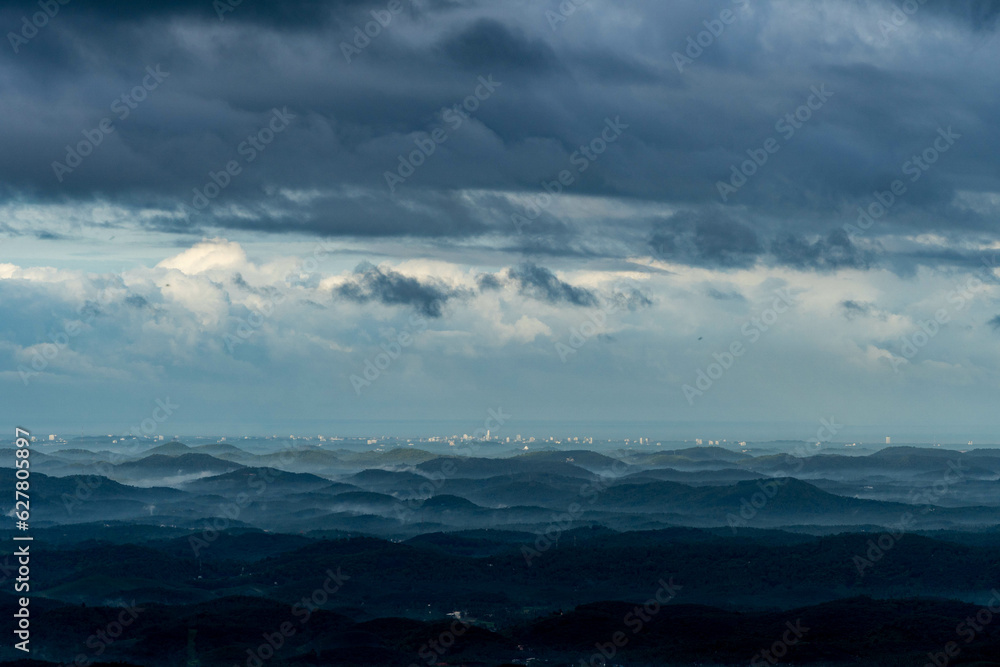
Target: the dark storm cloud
pixel 371 283
pixel 978 14
pixel 854 309
pixel 705 239
pixel 836 251
pixel 240 282
pixel 995 323
pixel 353 121
pixel 540 283
pixel 426 214
pixel 556 241
pixel 719 295
pixel 376 284
pixel 298 13
pixel 312 304
pixel 908 261
pixel 136 301
pixel 630 299
pixel 488 282
pixel 489 45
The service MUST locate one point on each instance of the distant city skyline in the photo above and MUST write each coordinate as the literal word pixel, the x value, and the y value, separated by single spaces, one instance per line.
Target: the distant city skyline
pixel 731 435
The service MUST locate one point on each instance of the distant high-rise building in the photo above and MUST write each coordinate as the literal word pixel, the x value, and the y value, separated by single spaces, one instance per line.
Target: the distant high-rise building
pixel 888 440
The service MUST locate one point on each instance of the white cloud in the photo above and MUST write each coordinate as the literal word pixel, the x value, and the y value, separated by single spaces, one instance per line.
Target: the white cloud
pixel 210 254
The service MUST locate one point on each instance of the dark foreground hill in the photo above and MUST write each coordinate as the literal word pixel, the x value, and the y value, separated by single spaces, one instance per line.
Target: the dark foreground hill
pixel 255 631
pixel 504 573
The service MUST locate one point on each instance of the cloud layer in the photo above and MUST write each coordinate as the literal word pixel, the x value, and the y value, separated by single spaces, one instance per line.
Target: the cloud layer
pixel 489 178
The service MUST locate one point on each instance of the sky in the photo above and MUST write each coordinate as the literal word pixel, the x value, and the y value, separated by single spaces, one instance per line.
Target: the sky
pixel 289 216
